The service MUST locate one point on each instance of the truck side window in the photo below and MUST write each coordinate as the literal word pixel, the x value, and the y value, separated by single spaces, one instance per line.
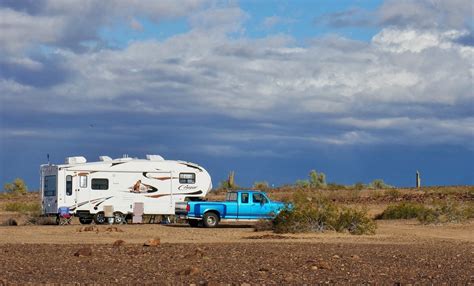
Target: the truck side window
pixel 245 198
pixel 68 185
pixel 258 198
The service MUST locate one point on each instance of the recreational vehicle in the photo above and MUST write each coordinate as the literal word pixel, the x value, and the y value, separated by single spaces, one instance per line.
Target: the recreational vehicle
pixel 85 188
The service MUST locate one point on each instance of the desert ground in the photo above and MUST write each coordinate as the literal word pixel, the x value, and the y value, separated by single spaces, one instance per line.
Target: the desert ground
pixel 401 252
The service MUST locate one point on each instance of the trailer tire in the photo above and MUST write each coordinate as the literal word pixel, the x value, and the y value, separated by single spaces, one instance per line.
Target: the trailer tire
pixel 193 222
pixel 119 218
pixel 210 219
pixel 99 218
pixel 85 220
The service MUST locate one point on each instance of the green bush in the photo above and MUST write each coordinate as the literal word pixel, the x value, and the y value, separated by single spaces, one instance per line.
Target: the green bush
pixel 302 183
pixel 18 186
pixel 393 193
pixel 22 207
pixel 359 186
pixel 335 187
pixel 379 184
pixel 317 180
pixel 444 212
pixel 405 210
pixel 356 221
pixel 317 213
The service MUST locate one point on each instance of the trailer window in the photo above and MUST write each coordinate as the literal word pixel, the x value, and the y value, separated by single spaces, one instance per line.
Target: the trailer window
pixel 49 186
pixel 83 181
pixel 68 185
pixel 100 184
pixel 187 178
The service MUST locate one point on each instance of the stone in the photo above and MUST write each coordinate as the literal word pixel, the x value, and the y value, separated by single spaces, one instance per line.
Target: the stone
pixel 86 251
pixel 152 242
pixel 118 243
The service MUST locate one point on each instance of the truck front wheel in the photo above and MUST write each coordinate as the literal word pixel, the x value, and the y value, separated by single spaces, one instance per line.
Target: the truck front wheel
pixel 210 220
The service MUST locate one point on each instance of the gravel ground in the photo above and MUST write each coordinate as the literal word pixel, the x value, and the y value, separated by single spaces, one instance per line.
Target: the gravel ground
pixel 261 262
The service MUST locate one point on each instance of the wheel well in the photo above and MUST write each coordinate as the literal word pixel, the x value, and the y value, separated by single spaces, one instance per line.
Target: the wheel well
pixel 214 212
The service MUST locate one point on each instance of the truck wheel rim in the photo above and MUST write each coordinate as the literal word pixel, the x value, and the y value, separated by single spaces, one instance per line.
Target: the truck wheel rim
pixel 211 220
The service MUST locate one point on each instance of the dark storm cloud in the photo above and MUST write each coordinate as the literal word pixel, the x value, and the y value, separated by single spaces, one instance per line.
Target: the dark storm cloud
pixel 32 7
pixel 49 73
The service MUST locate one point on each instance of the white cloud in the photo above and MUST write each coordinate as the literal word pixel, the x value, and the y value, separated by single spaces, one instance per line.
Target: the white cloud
pixel 403 81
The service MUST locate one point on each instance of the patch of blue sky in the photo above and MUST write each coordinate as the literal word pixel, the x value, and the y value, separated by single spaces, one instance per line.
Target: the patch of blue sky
pixel 121 34
pixel 299 18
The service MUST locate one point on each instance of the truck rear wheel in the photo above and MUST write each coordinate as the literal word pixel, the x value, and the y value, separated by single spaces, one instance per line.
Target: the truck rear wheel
pixel 210 219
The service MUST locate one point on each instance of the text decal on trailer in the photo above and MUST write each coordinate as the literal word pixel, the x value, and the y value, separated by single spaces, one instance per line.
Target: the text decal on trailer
pixel 186 187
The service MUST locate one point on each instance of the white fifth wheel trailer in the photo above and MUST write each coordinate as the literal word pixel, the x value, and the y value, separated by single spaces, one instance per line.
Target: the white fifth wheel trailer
pixel 86 187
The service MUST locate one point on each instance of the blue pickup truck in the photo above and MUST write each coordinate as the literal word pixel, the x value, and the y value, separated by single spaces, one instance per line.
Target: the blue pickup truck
pixel 238 206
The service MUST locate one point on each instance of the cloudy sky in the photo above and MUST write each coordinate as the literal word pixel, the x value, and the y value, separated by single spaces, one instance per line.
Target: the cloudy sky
pixel 271 89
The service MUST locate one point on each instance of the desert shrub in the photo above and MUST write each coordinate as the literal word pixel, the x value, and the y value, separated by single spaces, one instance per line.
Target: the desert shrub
pixel 359 186
pixel 23 207
pixel 263 225
pixel 405 210
pixel 379 184
pixel 393 193
pixel 263 186
pixel 18 186
pixel 317 213
pixel 317 180
pixel 444 212
pixel 469 211
pixel 41 220
pixel 355 221
pixel 302 183
pixel 335 187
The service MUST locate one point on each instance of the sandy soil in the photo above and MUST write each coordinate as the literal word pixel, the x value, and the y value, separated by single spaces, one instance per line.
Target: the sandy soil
pixel 400 252
pixel 388 232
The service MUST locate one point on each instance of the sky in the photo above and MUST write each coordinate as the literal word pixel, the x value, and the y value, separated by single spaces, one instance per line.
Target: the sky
pixel 359 90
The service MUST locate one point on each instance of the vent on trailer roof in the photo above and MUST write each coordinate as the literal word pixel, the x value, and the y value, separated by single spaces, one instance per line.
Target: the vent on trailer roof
pixel 75 160
pixel 105 158
pixel 155 158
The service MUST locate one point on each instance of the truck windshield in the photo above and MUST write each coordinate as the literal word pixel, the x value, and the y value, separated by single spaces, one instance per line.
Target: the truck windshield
pixel 231 197
pixel 49 186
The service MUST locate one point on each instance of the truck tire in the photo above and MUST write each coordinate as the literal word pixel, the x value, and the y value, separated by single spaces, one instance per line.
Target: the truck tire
pixel 193 222
pixel 210 219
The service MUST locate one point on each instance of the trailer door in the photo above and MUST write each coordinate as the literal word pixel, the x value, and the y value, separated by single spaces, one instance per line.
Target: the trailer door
pixel 81 189
pixel 49 186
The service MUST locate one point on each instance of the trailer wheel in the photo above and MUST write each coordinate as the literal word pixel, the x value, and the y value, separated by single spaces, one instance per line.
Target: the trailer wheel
pixel 119 218
pixel 85 220
pixel 210 219
pixel 99 218
pixel 193 222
